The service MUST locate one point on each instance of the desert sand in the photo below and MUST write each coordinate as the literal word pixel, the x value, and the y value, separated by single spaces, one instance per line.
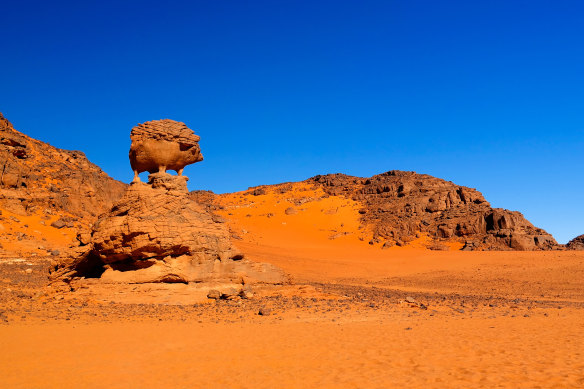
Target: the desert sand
pixel 356 316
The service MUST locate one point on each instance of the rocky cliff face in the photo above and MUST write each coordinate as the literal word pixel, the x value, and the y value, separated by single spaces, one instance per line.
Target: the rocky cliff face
pixel 36 175
pixel 57 186
pixel 576 244
pixel 399 206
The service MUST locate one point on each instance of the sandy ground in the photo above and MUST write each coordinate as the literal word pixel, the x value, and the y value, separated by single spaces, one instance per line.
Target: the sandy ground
pixel 377 352
pixel 32 235
pixel 356 317
pixel 511 324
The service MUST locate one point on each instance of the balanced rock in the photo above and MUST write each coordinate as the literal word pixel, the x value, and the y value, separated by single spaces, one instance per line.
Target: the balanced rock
pixel 164 144
pixel 157 233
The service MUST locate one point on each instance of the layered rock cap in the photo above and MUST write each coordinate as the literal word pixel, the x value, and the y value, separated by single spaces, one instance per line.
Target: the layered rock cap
pixel 164 144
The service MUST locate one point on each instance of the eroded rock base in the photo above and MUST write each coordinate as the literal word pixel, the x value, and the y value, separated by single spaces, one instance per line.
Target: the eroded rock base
pixel 155 233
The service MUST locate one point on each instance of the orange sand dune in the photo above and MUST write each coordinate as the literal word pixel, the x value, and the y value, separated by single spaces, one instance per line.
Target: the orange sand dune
pixel 313 217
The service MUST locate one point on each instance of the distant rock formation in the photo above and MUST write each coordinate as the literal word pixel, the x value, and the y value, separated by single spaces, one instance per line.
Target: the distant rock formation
pixel 159 145
pixel 576 244
pixel 156 233
pixel 399 205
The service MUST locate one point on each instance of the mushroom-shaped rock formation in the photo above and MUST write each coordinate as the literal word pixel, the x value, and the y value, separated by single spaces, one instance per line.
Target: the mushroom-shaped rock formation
pixel 164 144
pixel 157 233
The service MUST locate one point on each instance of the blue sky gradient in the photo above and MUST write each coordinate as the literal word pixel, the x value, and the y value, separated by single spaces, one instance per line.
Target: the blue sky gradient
pixel 488 94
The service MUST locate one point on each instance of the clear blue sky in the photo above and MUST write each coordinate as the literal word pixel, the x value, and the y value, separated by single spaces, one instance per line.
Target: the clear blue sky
pixel 488 94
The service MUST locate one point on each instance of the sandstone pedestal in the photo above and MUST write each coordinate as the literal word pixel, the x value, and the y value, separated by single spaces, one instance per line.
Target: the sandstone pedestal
pixel 156 233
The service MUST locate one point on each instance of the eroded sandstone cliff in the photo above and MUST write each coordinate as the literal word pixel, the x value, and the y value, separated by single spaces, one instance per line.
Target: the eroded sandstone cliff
pixel 400 205
pixel 41 185
pixel 37 176
pixel 576 244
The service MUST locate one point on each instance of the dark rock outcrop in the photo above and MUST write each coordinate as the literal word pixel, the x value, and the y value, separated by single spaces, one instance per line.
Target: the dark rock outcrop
pixel 401 205
pixel 576 244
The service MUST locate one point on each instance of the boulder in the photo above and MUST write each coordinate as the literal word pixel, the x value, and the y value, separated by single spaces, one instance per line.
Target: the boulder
pixel 265 311
pixel 159 145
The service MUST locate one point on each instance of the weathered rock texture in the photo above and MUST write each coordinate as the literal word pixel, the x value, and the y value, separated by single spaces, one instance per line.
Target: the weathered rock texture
pixel 156 233
pixel 47 193
pixel 400 205
pixel 159 145
pixel 576 244
pixel 37 176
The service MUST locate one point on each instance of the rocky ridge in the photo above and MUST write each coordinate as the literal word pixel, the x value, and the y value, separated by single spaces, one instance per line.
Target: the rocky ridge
pixel 576 244
pixel 399 206
pixel 56 186
pixel 37 176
